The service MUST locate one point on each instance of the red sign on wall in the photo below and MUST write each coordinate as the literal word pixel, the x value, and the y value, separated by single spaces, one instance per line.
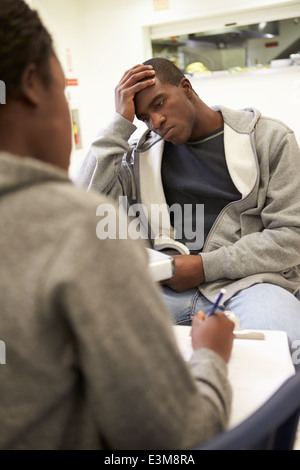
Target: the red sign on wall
pixel 271 44
pixel 72 81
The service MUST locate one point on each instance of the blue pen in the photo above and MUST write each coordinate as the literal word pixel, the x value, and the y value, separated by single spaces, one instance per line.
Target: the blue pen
pixel 216 304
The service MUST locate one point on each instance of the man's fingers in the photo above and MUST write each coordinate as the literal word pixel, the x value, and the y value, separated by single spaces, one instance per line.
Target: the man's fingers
pixel 200 316
pixel 134 80
pixel 134 75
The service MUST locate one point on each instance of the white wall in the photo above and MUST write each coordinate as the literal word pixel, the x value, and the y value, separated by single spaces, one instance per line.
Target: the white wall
pixel 193 16
pixel 64 20
pixel 180 11
pixel 106 38
pixel 276 93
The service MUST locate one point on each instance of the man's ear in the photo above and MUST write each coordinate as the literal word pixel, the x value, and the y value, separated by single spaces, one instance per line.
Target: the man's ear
pixel 187 86
pixel 31 85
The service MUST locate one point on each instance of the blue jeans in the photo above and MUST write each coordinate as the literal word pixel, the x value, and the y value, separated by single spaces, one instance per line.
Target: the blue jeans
pixel 259 307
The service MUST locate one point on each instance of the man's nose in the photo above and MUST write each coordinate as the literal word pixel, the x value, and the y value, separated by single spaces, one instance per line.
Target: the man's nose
pixel 157 121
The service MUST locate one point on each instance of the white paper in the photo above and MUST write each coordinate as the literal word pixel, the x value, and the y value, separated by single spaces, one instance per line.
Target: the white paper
pixel 256 368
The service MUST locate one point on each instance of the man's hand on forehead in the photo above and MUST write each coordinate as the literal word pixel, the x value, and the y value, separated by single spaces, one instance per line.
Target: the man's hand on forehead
pixel 134 80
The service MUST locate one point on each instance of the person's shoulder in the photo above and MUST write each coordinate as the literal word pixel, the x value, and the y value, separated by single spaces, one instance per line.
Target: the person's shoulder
pixel 67 203
pixel 275 123
pixel 241 120
pixel 73 196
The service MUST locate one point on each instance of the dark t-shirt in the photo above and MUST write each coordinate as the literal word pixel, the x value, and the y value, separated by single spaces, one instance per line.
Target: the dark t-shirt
pixel 194 174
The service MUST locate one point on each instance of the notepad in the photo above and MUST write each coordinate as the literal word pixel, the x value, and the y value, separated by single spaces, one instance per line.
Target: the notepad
pixel 161 265
pixel 256 368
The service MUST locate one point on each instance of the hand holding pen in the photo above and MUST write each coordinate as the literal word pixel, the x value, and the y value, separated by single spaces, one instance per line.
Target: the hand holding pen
pixel 214 331
pixel 217 302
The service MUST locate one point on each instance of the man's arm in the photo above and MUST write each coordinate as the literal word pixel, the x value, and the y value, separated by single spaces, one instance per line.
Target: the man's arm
pixel 189 273
pixel 100 168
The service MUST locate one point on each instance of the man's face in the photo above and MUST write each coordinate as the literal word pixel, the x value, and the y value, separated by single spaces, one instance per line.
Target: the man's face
pixel 167 110
pixel 57 129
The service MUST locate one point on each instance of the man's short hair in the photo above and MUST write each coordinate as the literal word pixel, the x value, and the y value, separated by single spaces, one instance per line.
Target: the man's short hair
pixel 165 70
pixel 23 40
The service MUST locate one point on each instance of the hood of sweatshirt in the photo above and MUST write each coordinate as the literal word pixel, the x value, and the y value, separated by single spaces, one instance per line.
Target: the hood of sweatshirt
pixel 18 172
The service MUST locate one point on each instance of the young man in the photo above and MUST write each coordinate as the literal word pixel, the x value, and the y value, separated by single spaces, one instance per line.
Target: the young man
pixel 91 359
pixel 241 166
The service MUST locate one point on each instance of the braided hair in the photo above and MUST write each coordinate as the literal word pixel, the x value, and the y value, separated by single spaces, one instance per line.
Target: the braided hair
pixel 23 40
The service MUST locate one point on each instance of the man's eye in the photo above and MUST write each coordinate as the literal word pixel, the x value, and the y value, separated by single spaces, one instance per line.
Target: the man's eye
pixel 159 105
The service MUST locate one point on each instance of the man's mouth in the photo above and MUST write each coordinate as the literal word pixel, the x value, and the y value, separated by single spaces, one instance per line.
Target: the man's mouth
pixel 168 133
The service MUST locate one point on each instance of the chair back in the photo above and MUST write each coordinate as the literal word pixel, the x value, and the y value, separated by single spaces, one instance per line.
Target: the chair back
pixel 273 426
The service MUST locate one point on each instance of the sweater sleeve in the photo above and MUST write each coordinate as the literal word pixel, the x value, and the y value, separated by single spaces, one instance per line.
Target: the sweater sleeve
pixel 143 394
pixel 100 168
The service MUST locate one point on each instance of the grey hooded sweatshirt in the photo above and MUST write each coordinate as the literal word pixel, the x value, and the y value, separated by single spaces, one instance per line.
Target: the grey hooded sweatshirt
pixel 253 240
pixel 91 357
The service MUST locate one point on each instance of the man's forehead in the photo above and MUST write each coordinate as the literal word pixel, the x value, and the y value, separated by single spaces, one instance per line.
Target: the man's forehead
pixel 145 98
